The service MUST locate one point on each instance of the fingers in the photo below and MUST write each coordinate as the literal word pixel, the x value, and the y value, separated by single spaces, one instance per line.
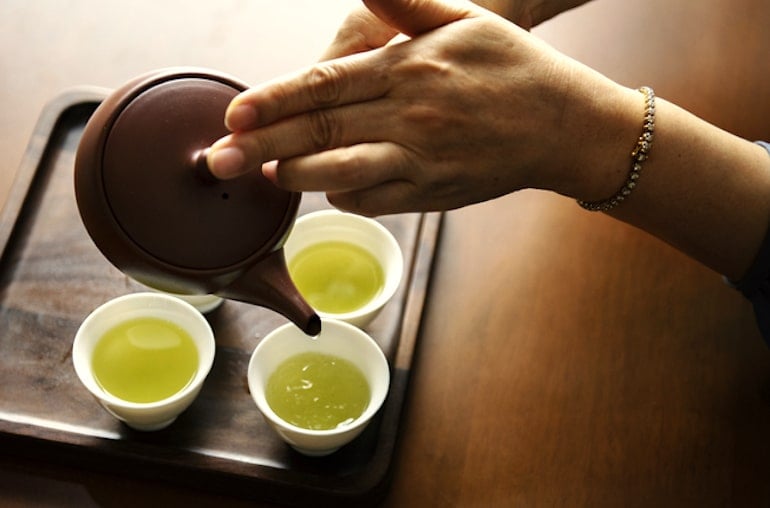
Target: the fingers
pixel 392 197
pixel 309 133
pixel 361 31
pixel 316 109
pixel 341 81
pixel 414 17
pixel 369 179
pixel 344 169
pixel 295 116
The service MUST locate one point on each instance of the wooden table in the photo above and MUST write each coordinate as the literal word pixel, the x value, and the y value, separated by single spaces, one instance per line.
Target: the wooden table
pixel 564 359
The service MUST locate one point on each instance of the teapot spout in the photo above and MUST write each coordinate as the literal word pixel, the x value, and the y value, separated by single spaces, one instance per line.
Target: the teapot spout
pixel 269 285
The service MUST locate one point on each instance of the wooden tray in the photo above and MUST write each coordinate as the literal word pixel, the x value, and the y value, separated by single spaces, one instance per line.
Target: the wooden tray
pixel 52 276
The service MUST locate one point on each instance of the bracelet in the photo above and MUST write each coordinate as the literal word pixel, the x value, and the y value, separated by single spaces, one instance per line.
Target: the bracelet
pixel 638 155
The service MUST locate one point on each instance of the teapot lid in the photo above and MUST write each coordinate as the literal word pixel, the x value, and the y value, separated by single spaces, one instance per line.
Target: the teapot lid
pixel 142 168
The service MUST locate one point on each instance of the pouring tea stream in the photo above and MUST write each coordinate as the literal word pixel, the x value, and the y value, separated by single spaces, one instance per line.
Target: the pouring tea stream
pixel 153 209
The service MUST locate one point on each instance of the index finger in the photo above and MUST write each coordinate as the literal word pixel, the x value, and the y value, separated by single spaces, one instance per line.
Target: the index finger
pixel 355 78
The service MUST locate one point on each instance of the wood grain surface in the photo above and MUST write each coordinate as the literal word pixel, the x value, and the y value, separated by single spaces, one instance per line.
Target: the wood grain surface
pixel 563 359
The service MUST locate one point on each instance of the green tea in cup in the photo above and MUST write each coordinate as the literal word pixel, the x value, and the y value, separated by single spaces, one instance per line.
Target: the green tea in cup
pixel 335 383
pixel 144 360
pixel 336 276
pixel 346 266
pixel 317 391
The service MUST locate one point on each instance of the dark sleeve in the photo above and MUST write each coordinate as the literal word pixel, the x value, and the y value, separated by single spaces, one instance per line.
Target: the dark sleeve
pixel 755 285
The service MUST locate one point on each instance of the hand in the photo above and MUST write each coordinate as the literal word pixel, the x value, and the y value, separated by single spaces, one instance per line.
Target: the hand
pixel 470 108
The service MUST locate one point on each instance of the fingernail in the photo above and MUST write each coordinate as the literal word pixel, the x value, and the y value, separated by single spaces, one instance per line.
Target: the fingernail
pixel 241 118
pixel 226 162
pixel 269 170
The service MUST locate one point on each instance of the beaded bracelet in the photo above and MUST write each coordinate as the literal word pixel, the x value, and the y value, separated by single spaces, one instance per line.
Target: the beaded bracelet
pixel 638 155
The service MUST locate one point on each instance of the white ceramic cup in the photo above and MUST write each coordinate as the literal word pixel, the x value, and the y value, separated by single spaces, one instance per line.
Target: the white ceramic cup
pixel 204 303
pixel 333 225
pixel 339 339
pixel 151 415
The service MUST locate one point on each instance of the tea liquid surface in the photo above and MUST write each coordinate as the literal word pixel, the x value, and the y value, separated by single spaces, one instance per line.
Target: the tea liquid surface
pixel 145 360
pixel 337 277
pixel 317 391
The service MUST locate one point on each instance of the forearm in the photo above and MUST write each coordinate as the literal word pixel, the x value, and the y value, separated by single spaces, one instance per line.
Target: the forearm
pixel 703 190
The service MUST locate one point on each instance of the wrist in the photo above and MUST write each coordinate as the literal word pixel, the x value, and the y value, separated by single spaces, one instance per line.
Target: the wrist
pixel 601 128
pixel 639 156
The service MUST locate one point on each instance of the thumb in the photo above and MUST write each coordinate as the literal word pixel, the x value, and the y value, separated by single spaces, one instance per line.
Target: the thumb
pixel 414 17
pixel 361 31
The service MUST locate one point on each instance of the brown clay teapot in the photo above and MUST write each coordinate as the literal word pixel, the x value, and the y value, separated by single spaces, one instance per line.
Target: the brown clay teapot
pixel 151 206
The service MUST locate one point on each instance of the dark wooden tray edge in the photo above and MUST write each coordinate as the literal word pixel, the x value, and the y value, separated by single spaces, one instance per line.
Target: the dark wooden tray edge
pixel 36 151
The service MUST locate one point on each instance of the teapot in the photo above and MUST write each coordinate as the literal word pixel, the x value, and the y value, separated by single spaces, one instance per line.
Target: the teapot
pixel 151 206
